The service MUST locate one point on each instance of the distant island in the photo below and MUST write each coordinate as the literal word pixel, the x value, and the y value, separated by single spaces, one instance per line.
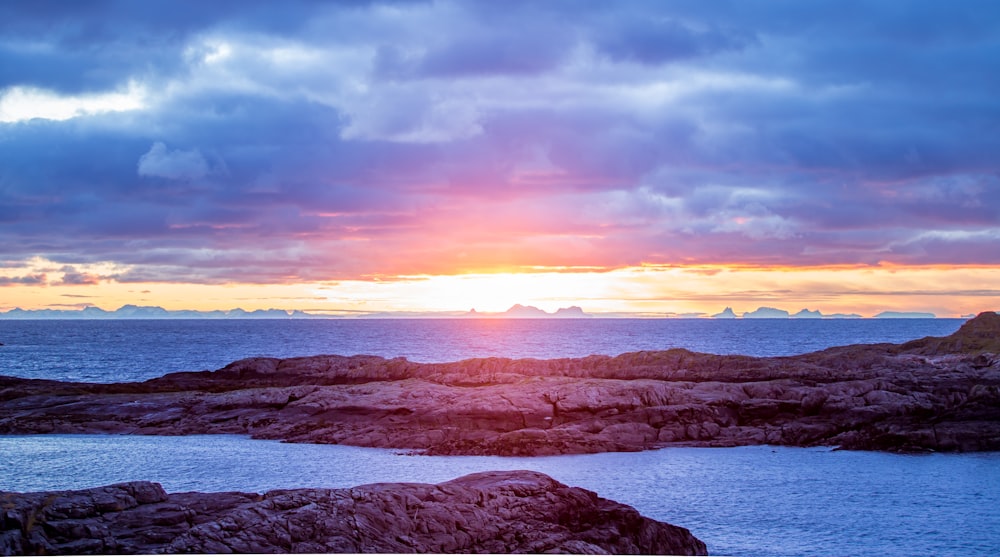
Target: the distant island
pixel 517 311
pixel 531 312
pixel 904 315
pixel 773 313
pixel 804 313
pixel 155 312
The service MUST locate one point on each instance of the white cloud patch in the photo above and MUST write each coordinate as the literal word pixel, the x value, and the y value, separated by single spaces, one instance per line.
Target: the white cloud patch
pixel 19 104
pixel 986 235
pixel 174 165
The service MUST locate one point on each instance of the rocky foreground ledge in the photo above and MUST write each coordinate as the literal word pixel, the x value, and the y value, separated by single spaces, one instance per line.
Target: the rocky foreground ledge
pixel 488 512
pixel 938 394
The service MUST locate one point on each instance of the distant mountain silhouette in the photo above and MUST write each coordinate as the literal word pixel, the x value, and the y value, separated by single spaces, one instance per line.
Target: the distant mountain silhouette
pixel 572 311
pixel 904 315
pixel 775 313
pixel 727 313
pixel 519 311
pixel 766 313
pixel 807 314
pixel 131 311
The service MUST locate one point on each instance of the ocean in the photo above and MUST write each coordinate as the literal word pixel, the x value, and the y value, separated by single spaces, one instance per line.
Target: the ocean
pixel 748 501
pixel 741 501
pixel 106 351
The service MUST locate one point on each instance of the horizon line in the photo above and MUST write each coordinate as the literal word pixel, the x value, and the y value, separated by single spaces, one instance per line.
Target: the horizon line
pixel 517 311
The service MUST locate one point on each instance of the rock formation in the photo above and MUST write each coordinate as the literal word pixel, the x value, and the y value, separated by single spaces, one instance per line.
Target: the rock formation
pixel 929 394
pixel 491 512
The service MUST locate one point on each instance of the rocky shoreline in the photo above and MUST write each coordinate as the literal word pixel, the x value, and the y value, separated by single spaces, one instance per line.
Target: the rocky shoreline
pixel 488 512
pixel 940 394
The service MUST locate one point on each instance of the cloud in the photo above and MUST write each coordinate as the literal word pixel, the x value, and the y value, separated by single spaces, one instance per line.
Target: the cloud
pixel 754 221
pixel 75 278
pixel 655 41
pixel 313 141
pixel 173 165
pixel 23 280
pixel 90 46
pixel 25 103
pixel 519 49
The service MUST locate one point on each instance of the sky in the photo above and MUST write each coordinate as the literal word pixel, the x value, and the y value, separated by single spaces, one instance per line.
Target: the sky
pixel 632 156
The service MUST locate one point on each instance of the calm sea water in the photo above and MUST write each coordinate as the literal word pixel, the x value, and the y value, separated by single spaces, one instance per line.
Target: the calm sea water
pixel 774 501
pixel 741 501
pixel 110 351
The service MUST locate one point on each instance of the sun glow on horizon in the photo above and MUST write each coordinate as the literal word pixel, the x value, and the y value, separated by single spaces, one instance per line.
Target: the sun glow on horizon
pixel 649 290
pixel 651 159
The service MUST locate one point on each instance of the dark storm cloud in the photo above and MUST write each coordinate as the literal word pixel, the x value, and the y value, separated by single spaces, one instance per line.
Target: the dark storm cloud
pixel 312 140
pixel 28 279
pixel 79 46
pixel 652 41
pixel 95 44
pixel 522 49
pixel 73 277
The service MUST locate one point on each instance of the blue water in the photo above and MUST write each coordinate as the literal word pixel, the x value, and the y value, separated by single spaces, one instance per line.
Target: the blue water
pixel 774 501
pixel 111 351
pixel 741 501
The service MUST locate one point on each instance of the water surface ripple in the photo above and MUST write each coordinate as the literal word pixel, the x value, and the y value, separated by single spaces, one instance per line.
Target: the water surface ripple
pixel 775 501
pixel 130 350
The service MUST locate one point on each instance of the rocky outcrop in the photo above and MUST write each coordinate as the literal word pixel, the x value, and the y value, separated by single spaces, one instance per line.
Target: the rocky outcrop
pixel 929 394
pixel 488 512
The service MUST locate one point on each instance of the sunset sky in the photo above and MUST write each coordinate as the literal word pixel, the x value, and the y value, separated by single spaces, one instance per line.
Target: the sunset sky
pixel 652 157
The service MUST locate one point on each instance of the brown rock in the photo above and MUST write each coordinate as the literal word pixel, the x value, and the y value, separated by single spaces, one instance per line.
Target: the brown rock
pixel 494 512
pixel 886 397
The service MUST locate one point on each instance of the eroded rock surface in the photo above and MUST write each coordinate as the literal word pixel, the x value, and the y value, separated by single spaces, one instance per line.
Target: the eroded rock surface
pixel 929 394
pixel 492 512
